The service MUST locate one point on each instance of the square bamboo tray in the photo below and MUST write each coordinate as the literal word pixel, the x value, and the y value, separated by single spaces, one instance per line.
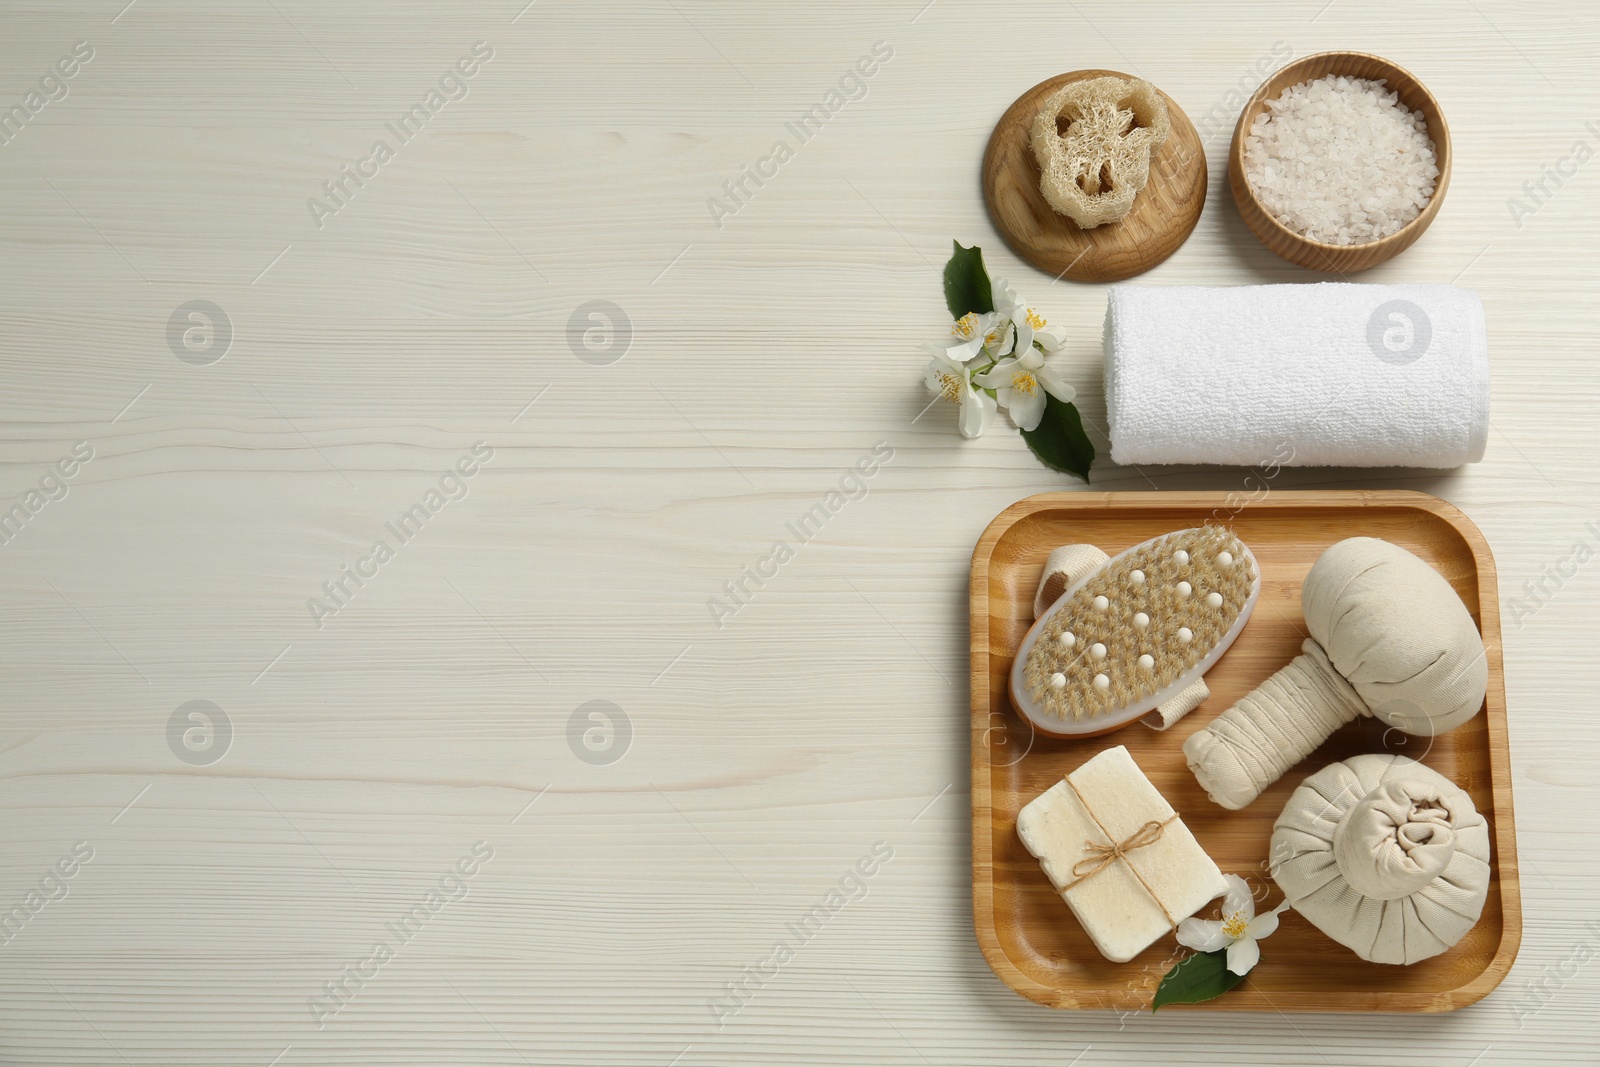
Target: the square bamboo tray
pixel 1026 931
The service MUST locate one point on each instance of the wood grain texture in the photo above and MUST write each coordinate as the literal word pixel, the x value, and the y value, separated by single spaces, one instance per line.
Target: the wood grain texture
pixel 1163 214
pixel 1021 922
pixel 767 356
pixel 1319 255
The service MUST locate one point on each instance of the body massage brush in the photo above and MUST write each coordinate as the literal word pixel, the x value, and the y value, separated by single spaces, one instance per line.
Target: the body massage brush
pixel 1389 638
pixel 1121 638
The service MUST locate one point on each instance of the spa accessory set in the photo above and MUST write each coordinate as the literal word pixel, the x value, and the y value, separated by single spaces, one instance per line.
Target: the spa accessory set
pixel 1307 684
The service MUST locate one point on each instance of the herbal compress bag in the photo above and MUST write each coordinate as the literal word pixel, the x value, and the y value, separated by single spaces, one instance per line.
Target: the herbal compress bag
pixel 1389 638
pixel 1387 857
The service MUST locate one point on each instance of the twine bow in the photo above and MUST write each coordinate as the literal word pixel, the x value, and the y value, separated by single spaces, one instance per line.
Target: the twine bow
pixel 1102 856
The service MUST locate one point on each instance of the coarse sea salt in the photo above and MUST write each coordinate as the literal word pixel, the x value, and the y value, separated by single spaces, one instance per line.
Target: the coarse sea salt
pixel 1340 160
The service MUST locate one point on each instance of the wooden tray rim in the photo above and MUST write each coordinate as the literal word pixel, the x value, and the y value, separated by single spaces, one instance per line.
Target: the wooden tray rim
pixel 1246 998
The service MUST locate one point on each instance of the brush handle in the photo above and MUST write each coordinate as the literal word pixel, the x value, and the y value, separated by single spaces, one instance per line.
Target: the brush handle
pixel 1251 745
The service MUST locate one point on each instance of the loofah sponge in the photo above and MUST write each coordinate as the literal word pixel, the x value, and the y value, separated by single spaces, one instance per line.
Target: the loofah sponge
pixel 1093 140
pixel 1134 636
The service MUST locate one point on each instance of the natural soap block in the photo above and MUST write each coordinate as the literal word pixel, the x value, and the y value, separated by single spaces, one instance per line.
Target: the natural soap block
pixel 1118 910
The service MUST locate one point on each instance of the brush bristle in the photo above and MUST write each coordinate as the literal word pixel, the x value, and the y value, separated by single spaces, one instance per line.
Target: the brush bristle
pixel 1159 598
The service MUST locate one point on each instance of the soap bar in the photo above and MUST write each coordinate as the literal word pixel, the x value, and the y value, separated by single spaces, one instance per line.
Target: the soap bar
pixel 1118 907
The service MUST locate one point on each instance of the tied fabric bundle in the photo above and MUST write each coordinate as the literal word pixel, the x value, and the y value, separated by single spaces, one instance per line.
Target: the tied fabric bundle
pixel 1385 856
pixel 1389 638
pixel 1330 374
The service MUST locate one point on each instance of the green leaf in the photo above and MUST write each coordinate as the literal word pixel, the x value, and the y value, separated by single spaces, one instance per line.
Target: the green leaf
pixel 1059 440
pixel 1203 976
pixel 966 282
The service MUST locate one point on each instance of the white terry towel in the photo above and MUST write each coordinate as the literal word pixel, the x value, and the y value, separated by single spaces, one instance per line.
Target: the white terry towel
pixel 1330 374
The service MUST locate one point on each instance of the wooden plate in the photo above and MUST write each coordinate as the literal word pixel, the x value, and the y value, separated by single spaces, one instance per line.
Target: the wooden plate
pixel 1163 215
pixel 1026 931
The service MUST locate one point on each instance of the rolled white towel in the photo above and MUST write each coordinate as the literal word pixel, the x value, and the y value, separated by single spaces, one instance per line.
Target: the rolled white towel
pixel 1330 374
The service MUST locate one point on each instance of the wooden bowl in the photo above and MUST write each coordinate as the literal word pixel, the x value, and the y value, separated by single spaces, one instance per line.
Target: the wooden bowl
pixel 1340 259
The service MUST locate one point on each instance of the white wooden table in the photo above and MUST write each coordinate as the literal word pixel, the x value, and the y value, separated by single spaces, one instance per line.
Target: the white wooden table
pixel 643 859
